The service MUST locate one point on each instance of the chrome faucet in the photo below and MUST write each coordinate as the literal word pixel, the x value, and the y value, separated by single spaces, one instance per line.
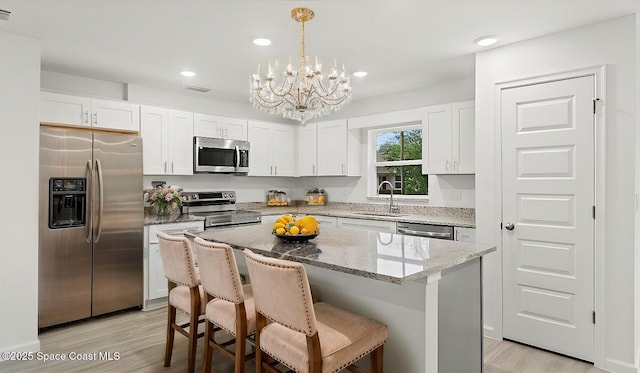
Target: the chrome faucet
pixel 392 207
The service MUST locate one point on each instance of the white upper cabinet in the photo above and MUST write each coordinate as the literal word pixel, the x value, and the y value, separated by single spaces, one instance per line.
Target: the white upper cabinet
pixel 168 141
pixel 84 111
pixel 219 127
pixel 338 149
pixel 307 146
pixel 272 149
pixel 449 131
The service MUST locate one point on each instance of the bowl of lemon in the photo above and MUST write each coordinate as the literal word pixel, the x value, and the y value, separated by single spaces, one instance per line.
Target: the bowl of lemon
pixel 289 229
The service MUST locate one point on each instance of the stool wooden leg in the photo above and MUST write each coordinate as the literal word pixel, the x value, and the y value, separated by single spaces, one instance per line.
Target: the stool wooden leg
pixel 207 355
pixel 193 328
pixel 171 319
pixel 376 360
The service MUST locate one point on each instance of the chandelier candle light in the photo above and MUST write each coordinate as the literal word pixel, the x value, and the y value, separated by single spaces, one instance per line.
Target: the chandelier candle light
pixel 301 94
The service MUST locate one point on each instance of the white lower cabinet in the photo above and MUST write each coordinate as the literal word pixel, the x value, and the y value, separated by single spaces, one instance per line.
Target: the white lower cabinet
pixel 369 225
pixel 156 286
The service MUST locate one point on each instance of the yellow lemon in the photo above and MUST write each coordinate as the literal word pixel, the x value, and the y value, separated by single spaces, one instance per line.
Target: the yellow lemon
pixel 281 220
pixel 288 218
pixel 309 223
pixel 280 231
pixel 294 230
pixel 278 225
pixel 304 231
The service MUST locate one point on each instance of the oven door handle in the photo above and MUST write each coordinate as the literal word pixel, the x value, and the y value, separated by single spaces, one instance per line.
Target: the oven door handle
pixel 425 234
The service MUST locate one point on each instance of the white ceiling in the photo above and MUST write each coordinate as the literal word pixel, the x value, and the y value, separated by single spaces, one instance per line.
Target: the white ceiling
pixel 404 45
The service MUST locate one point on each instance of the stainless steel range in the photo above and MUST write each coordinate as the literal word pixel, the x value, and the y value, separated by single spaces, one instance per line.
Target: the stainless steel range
pixel 218 209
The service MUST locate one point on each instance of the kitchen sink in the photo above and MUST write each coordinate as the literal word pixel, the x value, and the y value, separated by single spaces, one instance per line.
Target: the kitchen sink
pixel 366 213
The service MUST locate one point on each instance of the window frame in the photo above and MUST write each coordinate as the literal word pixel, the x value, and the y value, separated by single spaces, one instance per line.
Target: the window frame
pixel 372 179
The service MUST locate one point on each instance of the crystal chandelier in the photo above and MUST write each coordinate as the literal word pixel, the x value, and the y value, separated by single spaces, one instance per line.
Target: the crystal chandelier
pixel 300 94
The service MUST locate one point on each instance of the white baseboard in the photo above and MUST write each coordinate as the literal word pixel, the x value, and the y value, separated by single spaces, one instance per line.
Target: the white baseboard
pixel 33 346
pixel 617 366
pixel 490 332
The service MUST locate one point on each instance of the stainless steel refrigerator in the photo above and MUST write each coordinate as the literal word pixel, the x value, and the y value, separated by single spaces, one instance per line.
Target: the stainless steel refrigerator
pixel 91 224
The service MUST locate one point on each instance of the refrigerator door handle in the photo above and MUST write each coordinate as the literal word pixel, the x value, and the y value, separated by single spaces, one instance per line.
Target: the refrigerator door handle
pixel 87 173
pixel 96 238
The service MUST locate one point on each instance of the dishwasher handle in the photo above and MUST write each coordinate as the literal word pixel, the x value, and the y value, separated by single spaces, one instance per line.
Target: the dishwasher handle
pixel 425 234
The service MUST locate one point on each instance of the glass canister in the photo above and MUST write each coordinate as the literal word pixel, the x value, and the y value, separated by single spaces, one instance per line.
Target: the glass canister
pixel 316 197
pixel 276 198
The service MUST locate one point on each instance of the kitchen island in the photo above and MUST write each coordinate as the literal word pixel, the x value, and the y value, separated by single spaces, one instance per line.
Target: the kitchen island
pixel 427 291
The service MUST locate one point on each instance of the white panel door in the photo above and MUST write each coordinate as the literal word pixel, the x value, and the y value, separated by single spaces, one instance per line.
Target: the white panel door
pixel 115 115
pixel 234 128
pixel 436 126
pixel 64 109
pixel 259 134
pixel 307 150
pixel 332 148
pixel 283 149
pixel 180 143
pixel 207 125
pixel 548 196
pixel 154 124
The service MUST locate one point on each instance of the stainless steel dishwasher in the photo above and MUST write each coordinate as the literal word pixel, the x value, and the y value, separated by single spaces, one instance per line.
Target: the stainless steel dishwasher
pixel 443 232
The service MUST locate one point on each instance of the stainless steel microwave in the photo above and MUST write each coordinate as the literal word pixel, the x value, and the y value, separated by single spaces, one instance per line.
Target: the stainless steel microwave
pixel 212 155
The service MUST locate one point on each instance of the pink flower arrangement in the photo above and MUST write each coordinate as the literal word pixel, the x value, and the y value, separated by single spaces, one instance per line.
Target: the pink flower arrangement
pixel 164 198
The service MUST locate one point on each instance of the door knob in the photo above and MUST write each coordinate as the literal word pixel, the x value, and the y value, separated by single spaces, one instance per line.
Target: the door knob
pixel 509 226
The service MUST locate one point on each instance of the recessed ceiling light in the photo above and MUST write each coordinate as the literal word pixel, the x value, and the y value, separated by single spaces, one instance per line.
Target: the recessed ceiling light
pixel 486 41
pixel 360 74
pixel 261 42
pixel 188 74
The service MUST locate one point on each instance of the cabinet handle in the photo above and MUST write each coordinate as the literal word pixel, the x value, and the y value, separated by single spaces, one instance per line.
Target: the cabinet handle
pixel 226 132
pixel 171 167
pixel 446 165
pixel 165 167
pixel 95 118
pixel 86 117
pixel 270 170
pixel 276 170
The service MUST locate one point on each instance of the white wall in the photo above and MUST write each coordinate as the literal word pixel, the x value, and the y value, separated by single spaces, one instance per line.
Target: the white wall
pixel 610 43
pixel 19 148
pixel 637 206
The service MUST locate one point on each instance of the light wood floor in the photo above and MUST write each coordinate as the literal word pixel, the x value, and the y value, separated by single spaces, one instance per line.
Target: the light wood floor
pixel 139 338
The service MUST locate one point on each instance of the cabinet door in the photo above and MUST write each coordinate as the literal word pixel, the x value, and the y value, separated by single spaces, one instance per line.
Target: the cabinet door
pixel 307 150
pixel 326 221
pixel 233 128
pixel 154 124
pixel 259 134
pixel 158 285
pixel 64 109
pixel 180 143
pixel 436 127
pixel 115 115
pixel 464 136
pixel 332 148
pixel 283 149
pixel 207 125
pixel 465 234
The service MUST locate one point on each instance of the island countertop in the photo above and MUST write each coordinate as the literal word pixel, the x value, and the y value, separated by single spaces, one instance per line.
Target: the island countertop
pixel 388 257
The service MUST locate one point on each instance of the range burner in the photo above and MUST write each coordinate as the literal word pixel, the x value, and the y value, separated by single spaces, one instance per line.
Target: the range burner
pixel 218 209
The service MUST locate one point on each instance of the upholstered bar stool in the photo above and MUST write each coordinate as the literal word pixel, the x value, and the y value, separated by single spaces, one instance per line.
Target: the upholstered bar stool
pixel 306 337
pixel 229 303
pixel 185 293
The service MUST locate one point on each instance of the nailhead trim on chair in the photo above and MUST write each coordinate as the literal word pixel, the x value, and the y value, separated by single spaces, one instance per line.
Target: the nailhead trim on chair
pixel 239 296
pixel 300 283
pixel 194 279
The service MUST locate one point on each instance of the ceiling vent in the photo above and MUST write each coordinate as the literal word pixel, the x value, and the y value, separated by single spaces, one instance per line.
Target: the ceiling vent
pixel 197 89
pixel 4 15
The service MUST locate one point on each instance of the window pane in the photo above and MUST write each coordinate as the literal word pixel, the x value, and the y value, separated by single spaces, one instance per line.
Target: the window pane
pixel 399 145
pixel 407 180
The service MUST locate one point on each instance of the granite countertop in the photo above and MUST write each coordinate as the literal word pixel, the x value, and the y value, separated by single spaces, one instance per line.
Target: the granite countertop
pixel 151 219
pixel 457 217
pixel 388 257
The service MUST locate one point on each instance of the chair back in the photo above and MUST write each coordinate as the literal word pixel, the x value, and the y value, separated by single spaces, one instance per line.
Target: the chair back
pixel 281 292
pixel 177 260
pixel 219 270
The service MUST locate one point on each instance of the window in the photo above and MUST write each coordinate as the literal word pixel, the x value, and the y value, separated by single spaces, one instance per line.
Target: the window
pixel 397 158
